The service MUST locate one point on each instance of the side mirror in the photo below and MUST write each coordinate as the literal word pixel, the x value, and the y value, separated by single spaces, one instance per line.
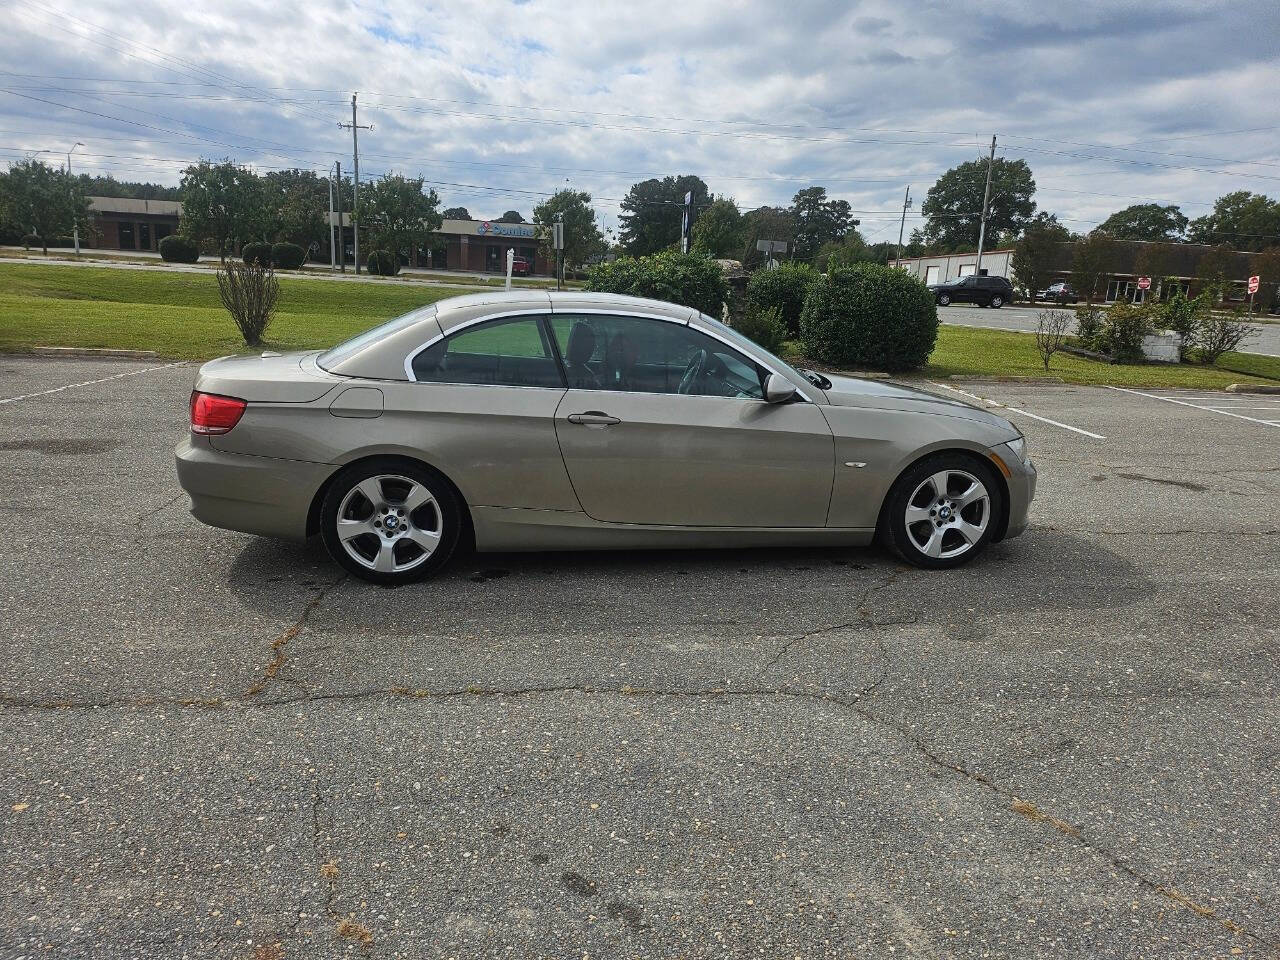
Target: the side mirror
pixel 778 389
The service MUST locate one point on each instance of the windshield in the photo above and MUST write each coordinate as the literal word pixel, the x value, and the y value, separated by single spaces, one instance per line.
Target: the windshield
pixel 733 336
pixel 331 358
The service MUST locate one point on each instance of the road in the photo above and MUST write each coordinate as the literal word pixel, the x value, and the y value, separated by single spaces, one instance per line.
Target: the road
pixel 215 745
pixel 1265 337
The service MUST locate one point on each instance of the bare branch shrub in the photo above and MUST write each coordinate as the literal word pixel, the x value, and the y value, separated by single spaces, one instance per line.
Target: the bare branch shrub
pixel 1220 333
pixel 1051 333
pixel 249 292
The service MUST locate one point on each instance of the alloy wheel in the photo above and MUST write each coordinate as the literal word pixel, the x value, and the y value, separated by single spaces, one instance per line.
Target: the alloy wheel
pixel 389 523
pixel 947 514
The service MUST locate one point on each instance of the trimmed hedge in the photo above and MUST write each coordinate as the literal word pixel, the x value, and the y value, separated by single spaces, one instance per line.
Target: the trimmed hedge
pixel 784 288
pixel 689 279
pixel 256 253
pixel 176 249
pixel 765 327
pixel 383 263
pixel 290 256
pixel 871 317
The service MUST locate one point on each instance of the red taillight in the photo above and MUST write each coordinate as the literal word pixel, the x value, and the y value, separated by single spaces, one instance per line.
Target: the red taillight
pixel 211 413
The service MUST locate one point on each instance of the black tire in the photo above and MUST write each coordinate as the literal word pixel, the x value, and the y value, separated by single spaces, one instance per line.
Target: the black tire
pixel 997 302
pixel 943 300
pixel 442 515
pixel 893 528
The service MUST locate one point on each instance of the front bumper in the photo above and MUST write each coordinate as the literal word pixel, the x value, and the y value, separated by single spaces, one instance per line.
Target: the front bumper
pixel 1022 490
pixel 261 495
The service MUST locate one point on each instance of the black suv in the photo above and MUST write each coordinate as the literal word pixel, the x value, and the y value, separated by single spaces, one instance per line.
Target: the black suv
pixel 984 291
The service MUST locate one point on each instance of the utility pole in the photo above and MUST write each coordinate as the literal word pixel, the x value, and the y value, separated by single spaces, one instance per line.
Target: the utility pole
pixel 986 201
pixel 342 243
pixel 355 183
pixel 75 222
pixel 906 202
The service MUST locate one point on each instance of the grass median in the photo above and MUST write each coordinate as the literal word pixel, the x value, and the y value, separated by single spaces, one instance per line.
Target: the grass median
pixel 179 315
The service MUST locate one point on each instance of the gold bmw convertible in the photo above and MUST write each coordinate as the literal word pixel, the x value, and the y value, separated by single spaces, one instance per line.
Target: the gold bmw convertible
pixel 559 421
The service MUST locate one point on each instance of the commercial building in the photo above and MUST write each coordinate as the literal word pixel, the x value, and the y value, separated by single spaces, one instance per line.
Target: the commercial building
pixel 478 246
pixel 950 266
pixel 123 223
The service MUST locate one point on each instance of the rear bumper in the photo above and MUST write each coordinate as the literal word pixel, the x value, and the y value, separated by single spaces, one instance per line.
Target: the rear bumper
pixel 259 495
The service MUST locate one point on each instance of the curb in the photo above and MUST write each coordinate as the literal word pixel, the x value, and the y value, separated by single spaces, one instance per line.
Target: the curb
pixel 97 352
pixel 1253 388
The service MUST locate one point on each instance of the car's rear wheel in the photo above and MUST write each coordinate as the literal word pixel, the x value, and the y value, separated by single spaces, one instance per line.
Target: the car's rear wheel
pixel 942 512
pixel 997 301
pixel 390 521
pixel 943 300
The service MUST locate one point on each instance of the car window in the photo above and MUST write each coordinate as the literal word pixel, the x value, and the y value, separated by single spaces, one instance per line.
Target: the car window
pixel 640 355
pixel 510 352
pixel 348 348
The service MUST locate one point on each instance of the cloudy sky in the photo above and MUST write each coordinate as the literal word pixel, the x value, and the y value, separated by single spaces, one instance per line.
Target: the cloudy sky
pixel 499 103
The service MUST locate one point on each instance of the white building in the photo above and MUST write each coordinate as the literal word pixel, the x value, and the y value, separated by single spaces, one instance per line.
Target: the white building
pixel 949 266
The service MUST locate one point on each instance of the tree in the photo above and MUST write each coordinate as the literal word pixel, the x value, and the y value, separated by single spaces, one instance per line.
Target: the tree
pixel 1051 333
pixel 511 216
pixel 718 230
pixel 1157 261
pixel 1146 221
pixel 1091 263
pixel 1266 266
pixel 953 206
pixel 398 215
pixel 224 205
pixel 583 240
pixel 764 223
pixel 96 186
pixel 1035 255
pixel 1248 221
pixel 455 213
pixel 1217 268
pixel 653 209
pixel 835 254
pixel 818 221
pixel 298 201
pixel 45 201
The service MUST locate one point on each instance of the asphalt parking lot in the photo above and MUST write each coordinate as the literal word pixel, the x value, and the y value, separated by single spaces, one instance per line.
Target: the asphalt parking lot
pixel 1264 338
pixel 217 746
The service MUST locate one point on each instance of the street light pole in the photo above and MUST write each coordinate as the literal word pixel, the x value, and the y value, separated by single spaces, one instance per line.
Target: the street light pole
pixel 75 221
pixel 333 263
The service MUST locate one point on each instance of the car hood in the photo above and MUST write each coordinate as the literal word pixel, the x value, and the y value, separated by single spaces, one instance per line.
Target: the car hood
pixel 887 395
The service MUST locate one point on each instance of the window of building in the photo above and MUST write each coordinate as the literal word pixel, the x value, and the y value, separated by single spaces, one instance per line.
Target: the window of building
pixel 640 355
pixel 512 352
pixel 144 236
pixel 126 236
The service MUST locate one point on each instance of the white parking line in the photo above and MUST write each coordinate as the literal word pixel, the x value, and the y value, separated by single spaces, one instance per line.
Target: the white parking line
pixel 89 383
pixel 1025 413
pixel 1197 406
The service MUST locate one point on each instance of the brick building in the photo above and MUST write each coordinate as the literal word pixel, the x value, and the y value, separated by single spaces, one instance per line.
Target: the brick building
pixel 123 223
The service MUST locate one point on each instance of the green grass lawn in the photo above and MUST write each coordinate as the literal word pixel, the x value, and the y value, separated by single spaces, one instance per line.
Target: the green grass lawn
pixel 179 315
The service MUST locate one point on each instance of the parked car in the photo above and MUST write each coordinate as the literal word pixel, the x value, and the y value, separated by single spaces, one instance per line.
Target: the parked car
pixel 984 291
pixel 554 421
pixel 520 267
pixel 1059 293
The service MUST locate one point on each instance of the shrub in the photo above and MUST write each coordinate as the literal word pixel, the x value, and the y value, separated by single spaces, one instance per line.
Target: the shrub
pixel 178 249
pixel 869 316
pixel 1183 317
pixel 784 288
pixel 383 263
pixel 1218 334
pixel 31 240
pixel 256 253
pixel 1089 325
pixel 289 256
pixel 765 327
pixel 689 279
pixel 249 292
pixel 1051 333
pixel 1122 332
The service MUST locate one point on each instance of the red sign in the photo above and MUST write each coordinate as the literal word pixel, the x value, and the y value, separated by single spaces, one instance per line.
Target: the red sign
pixel 1253 284
pixel 1144 283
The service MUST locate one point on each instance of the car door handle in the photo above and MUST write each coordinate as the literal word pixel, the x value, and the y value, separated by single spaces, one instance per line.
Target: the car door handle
pixel 593 418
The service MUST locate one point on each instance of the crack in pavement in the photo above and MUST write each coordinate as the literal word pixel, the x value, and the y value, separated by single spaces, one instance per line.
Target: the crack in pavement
pixel 863 620
pixel 1183 532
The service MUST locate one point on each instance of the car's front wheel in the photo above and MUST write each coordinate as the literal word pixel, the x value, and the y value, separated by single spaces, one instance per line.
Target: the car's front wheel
pixel 943 300
pixel 997 302
pixel 942 512
pixel 390 521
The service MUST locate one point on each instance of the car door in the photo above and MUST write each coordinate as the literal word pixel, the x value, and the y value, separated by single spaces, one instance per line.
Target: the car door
pixel 664 424
pixel 481 408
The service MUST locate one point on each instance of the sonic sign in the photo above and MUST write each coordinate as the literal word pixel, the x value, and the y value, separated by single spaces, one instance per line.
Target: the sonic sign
pixel 488 228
